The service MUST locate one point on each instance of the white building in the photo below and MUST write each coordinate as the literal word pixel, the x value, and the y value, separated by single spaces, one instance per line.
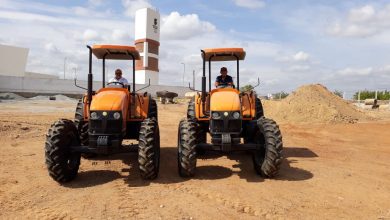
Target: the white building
pixel 13 60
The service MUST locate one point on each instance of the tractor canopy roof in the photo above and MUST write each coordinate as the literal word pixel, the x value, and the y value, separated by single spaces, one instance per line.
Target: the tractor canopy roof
pixel 224 54
pixel 115 52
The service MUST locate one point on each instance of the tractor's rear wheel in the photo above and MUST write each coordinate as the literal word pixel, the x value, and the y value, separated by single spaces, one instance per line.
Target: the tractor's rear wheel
pixel 61 162
pixel 201 137
pixel 153 109
pixel 191 110
pixel 187 140
pixel 268 158
pixel 259 108
pixel 149 149
pixel 82 127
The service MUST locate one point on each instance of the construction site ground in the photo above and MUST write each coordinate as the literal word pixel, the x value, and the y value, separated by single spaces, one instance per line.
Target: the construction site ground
pixel 329 171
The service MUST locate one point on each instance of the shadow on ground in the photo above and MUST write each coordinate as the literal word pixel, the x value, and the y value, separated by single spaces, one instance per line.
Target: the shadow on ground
pixel 168 169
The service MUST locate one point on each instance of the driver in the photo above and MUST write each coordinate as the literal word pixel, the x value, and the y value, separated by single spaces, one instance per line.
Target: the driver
pixel 224 79
pixel 118 78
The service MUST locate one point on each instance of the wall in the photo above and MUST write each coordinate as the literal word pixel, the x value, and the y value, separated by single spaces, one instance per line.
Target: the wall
pixel 60 86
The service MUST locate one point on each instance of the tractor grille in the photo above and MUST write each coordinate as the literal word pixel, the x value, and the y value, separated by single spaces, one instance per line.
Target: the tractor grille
pixel 105 126
pixel 225 125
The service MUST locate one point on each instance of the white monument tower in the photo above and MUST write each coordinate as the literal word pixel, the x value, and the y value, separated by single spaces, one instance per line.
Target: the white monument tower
pixel 147 42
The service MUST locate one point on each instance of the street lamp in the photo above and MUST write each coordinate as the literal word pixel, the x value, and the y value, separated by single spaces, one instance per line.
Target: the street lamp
pixel 184 65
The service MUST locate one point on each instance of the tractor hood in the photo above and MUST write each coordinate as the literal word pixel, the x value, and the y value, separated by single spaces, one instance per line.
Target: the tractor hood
pixel 226 99
pixel 110 100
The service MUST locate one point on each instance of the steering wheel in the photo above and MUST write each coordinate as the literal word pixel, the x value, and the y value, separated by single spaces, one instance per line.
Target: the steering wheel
pixel 117 83
pixel 225 86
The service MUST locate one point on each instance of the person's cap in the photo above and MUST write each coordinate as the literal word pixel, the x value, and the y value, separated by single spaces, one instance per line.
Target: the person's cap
pixel 223 69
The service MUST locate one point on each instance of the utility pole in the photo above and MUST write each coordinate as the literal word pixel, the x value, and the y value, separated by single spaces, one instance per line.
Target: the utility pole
pixel 184 71
pixel 75 71
pixel 193 79
pixel 65 66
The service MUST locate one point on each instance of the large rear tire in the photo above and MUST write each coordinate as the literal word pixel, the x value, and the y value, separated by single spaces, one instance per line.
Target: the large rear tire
pixel 187 140
pixel 149 149
pixel 82 128
pixel 81 125
pixel 268 158
pixel 191 110
pixel 259 108
pixel 153 113
pixel 61 163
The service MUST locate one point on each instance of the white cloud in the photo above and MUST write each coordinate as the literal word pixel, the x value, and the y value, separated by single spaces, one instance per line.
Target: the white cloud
pixel 364 21
pixel 298 68
pixel 356 71
pixel 50 47
pixel 120 35
pixel 301 56
pixel 90 35
pixel 251 4
pixel 131 6
pixel 362 14
pixel 95 3
pixel 182 27
pixel 295 58
pixel 81 11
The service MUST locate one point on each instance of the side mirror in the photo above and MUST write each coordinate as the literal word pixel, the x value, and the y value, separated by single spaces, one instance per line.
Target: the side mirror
pixel 75 83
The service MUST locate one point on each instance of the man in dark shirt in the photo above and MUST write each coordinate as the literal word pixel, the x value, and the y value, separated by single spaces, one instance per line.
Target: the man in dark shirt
pixel 224 79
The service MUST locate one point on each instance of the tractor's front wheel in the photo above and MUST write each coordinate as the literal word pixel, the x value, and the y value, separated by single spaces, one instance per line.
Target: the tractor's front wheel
pixel 149 149
pixel 268 157
pixel 61 162
pixel 186 155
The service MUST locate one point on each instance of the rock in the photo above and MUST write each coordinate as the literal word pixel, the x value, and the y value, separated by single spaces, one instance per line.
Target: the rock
pixel 161 206
pixel 246 209
pixel 24 128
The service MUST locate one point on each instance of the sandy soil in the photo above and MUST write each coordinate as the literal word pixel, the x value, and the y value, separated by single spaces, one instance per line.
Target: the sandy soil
pixel 329 171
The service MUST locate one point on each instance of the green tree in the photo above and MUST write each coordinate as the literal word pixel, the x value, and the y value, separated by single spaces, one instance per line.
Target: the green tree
pixel 367 94
pixel 280 95
pixel 246 88
pixel 338 93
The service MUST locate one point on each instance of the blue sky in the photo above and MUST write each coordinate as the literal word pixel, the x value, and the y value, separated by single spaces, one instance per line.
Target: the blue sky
pixel 344 45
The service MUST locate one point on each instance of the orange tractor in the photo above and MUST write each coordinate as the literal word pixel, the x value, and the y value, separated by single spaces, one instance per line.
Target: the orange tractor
pixel 234 120
pixel 103 119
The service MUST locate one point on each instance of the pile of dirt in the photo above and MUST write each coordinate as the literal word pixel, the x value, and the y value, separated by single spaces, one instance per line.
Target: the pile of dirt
pixel 313 103
pixel 56 97
pixel 10 96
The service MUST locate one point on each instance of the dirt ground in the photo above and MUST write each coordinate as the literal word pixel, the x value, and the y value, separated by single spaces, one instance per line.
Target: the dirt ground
pixel 330 171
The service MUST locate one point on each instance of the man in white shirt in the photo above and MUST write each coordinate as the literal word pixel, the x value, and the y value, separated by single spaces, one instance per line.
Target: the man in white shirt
pixel 118 78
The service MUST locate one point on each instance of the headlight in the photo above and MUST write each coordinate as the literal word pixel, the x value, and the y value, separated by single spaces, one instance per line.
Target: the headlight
pixel 216 115
pixel 236 115
pixel 94 115
pixel 117 115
